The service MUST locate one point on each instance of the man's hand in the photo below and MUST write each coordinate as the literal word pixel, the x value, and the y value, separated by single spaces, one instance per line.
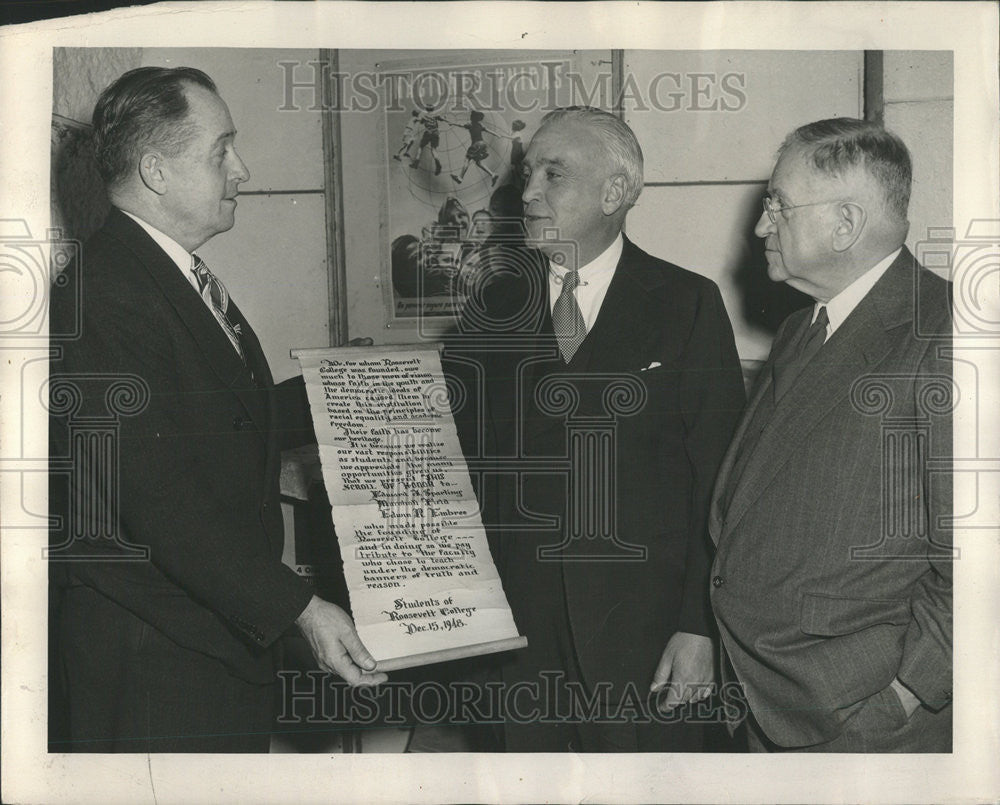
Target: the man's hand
pixel 906 698
pixel 687 667
pixel 336 645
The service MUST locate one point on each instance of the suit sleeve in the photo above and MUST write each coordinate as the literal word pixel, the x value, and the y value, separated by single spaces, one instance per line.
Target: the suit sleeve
pixel 294 420
pixel 464 365
pixel 926 667
pixel 190 488
pixel 713 398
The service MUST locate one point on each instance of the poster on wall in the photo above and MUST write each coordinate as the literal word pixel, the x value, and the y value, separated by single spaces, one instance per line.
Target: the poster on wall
pixel 454 134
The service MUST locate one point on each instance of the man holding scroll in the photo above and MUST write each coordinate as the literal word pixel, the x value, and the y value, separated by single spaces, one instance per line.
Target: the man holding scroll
pixel 604 387
pixel 168 570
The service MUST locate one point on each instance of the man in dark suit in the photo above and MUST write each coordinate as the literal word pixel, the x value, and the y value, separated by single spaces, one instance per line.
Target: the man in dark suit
pixel 603 387
pixel 171 589
pixel 832 583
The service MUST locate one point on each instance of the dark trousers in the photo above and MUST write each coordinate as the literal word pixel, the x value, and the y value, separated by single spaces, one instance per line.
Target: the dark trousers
pixel 129 688
pixel 542 681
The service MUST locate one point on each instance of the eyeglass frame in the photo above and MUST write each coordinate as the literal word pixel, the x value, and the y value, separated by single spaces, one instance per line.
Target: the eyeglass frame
pixel 772 212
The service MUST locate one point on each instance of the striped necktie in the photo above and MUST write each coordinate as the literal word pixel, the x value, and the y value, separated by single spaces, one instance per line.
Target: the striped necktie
pixel 786 371
pixel 215 295
pixel 567 320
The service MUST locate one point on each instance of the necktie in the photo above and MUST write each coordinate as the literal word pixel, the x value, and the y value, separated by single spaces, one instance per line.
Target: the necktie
pixel 787 370
pixel 217 298
pixel 567 320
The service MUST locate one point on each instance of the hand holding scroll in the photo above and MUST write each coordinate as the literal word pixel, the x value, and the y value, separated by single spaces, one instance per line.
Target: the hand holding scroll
pixel 336 645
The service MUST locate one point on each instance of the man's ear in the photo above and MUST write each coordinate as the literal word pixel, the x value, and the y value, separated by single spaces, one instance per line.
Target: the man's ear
pixel 614 194
pixel 152 171
pixel 850 223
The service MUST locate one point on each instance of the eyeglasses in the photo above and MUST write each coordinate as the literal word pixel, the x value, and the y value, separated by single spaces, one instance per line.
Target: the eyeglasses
pixel 771 210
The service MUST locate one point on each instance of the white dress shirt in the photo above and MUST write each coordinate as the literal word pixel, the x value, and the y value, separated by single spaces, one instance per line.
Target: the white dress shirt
pixel 595 277
pixel 181 256
pixel 185 262
pixel 842 305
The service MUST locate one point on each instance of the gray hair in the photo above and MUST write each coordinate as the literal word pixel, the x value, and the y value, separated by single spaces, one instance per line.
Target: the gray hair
pixel 838 144
pixel 618 139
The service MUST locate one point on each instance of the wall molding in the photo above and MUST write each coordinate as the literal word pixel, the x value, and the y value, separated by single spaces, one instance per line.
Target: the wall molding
pixel 334 196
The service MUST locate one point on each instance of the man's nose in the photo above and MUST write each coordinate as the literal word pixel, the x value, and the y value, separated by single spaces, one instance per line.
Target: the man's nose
pixel 531 189
pixel 239 171
pixel 764 226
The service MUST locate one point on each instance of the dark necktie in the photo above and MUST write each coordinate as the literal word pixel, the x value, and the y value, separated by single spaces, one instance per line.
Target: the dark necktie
pixel 788 369
pixel 567 320
pixel 217 298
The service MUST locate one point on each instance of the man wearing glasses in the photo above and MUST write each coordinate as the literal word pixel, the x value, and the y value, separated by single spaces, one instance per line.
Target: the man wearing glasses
pixel 832 583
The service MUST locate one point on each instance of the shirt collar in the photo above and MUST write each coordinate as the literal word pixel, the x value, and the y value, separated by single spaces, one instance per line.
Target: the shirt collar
pixel 842 305
pixel 605 261
pixel 181 256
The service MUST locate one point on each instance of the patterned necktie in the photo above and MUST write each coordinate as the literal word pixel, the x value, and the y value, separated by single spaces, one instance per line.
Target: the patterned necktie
pixel 567 320
pixel 217 298
pixel 786 371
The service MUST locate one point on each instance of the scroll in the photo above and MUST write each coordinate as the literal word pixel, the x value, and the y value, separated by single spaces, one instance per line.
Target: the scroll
pixel 422 583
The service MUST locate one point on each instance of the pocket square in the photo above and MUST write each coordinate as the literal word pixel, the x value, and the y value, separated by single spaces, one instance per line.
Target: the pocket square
pixel 653 365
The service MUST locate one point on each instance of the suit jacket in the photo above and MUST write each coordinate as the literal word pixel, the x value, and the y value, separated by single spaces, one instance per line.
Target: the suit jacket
pixel 652 397
pixel 198 464
pixel 833 567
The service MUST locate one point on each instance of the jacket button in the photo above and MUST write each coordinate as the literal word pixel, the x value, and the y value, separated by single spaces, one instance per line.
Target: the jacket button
pixel 238 423
pixel 265 506
pixel 718 581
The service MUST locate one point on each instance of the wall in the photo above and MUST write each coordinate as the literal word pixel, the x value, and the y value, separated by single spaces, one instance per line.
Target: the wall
pixel 918 104
pixel 709 158
pixel 78 200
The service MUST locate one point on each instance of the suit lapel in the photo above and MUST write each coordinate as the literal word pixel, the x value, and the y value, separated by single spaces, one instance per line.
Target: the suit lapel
pixel 261 396
pixel 624 329
pixel 544 360
pixel 763 385
pixel 214 346
pixel 257 374
pixel 621 331
pixel 854 350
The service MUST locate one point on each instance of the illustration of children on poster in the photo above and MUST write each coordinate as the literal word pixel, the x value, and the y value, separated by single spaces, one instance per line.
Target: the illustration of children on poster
pixel 455 136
